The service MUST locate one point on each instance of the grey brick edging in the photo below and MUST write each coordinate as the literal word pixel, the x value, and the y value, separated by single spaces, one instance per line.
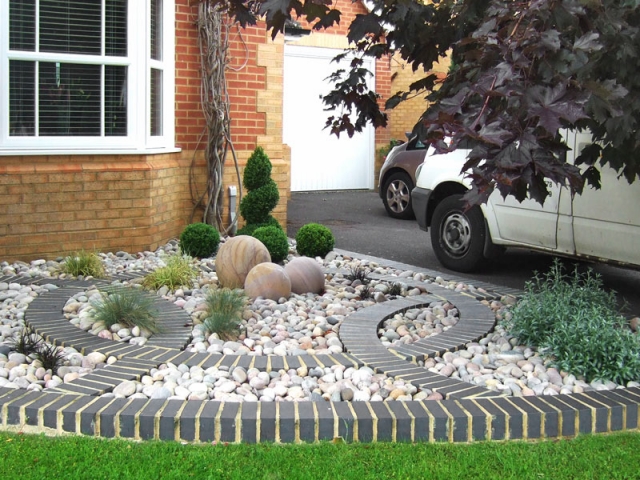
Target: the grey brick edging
pixel 468 412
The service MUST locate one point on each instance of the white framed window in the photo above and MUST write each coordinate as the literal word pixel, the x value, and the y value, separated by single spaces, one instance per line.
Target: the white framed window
pixel 86 76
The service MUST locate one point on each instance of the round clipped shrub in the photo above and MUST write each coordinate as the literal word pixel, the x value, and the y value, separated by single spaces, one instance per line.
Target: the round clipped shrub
pixel 314 240
pixel 256 206
pixel 258 170
pixel 252 227
pixel 275 240
pixel 199 240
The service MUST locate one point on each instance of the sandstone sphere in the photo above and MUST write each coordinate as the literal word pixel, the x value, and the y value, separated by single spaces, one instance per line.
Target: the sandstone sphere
pixel 236 257
pixel 267 280
pixel 306 275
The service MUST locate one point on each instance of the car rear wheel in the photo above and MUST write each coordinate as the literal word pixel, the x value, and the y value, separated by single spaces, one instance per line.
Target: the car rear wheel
pixel 397 196
pixel 458 236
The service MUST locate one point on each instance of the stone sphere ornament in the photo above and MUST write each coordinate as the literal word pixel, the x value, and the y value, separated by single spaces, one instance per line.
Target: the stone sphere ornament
pixel 306 275
pixel 236 257
pixel 267 280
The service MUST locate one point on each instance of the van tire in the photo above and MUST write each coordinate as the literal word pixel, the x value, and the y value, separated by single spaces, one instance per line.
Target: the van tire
pixel 458 235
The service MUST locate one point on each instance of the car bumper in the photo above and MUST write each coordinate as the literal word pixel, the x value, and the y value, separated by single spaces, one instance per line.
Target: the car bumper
pixel 420 201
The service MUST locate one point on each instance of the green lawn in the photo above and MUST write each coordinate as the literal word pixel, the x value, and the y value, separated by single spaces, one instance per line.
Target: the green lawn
pixel 614 456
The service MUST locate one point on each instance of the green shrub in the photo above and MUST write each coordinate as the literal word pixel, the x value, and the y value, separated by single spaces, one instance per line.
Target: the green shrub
pixel 257 171
pixel 571 319
pixel 199 240
pixel 83 263
pixel 314 240
pixel 262 192
pixel 126 306
pixel 224 309
pixel 275 240
pixel 252 227
pixel 257 204
pixel 179 272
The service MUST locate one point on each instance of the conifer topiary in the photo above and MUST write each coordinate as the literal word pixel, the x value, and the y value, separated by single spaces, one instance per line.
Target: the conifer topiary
pixel 262 193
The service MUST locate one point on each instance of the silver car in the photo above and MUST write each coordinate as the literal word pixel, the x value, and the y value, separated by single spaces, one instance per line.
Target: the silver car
pixel 398 177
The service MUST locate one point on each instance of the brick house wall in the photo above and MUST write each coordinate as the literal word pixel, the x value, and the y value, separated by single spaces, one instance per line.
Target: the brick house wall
pixel 52 205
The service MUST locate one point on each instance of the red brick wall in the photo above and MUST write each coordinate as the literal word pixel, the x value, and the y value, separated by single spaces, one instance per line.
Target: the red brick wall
pixel 53 205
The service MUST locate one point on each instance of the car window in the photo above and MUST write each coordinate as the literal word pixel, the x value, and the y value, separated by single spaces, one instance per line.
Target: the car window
pixel 415 144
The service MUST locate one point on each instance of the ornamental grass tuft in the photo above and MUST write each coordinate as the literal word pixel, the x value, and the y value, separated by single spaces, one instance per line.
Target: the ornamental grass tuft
pixel 83 263
pixel 573 321
pixel 224 309
pixel 127 306
pixel 179 272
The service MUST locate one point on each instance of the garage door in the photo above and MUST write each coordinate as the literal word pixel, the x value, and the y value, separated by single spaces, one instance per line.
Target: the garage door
pixel 320 161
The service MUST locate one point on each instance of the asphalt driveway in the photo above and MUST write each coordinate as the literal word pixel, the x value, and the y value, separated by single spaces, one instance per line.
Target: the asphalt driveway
pixel 360 224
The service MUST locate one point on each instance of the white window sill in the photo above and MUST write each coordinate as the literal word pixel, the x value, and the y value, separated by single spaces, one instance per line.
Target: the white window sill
pixel 86 151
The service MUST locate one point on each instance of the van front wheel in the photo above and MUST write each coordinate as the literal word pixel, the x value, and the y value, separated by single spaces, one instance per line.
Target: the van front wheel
pixel 458 236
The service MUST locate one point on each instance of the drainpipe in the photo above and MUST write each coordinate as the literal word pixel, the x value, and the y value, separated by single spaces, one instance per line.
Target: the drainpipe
pixel 233 226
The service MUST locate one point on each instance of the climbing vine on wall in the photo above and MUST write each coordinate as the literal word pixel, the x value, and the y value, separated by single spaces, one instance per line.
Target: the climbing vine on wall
pixel 214 30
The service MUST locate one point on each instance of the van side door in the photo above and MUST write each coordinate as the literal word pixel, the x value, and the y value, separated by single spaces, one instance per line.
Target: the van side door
pixel 606 222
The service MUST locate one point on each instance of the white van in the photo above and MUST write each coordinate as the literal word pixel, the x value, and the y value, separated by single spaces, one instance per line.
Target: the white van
pixel 601 225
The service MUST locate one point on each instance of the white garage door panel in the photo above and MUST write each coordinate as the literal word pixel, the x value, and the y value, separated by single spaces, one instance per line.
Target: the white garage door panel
pixel 320 161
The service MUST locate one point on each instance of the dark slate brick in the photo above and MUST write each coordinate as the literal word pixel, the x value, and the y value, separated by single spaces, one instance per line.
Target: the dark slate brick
pixel 88 414
pixel 325 420
pixel 306 421
pixel 244 361
pixel 534 417
pixel 602 413
pixel 583 412
pixel 249 422
pixel 384 420
pixel 309 361
pixel 478 419
pixel 146 419
pixel 127 418
pixel 364 420
pixel 108 417
pixel 260 363
pixel 402 418
pixel 292 362
pixel 13 406
pixel 631 406
pixel 498 419
pixel 78 389
pixel 31 410
pixel 441 421
pixel 461 421
pixel 228 421
pixel 268 418
pixel 616 409
pixel 50 414
pixel 188 420
pixel 287 421
pixel 169 420
pixel 567 416
pixel 228 361
pixel 69 413
pixel 515 426
pixel 211 361
pixel 550 419
pixel 207 421
pixel 345 421
pixel 276 363
pixel 421 419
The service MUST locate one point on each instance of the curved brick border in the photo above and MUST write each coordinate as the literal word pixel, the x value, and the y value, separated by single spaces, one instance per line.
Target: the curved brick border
pixel 468 413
